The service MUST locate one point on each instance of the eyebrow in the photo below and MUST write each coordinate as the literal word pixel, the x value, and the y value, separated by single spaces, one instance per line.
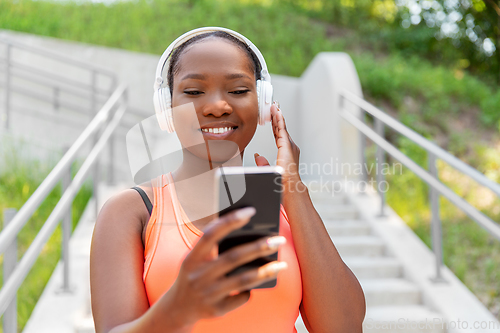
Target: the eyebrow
pixel 203 77
pixel 194 76
pixel 237 76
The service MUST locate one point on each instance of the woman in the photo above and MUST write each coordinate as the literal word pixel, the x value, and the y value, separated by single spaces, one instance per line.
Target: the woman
pixel 157 270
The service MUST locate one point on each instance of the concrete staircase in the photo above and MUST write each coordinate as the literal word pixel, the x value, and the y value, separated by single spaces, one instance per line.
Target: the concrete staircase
pixel 390 298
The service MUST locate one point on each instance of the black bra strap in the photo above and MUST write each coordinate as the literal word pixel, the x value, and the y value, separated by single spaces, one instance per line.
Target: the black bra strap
pixel 145 198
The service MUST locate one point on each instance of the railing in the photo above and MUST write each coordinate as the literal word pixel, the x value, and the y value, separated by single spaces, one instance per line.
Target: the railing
pixel 431 177
pixel 101 82
pixel 107 120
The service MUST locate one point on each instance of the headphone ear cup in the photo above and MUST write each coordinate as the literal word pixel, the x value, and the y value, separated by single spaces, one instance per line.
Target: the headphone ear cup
pixel 163 110
pixel 167 106
pixel 265 95
pixel 258 89
pixel 160 114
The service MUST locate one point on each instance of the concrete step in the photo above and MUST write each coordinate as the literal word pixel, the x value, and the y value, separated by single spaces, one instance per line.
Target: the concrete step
pixel 300 326
pixel 402 319
pixel 85 325
pixel 348 228
pixel 334 212
pixel 390 292
pixel 374 267
pixel 327 198
pixel 349 246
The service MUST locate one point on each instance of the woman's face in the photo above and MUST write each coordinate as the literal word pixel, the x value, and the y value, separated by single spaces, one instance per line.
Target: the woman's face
pixel 218 78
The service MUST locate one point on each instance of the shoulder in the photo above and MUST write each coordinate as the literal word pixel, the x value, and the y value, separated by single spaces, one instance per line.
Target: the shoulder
pixel 117 262
pixel 124 210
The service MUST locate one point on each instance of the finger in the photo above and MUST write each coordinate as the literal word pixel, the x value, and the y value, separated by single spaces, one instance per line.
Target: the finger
pixel 232 302
pixel 282 118
pixel 247 280
pixel 260 160
pixel 243 254
pixel 282 140
pixel 274 121
pixel 218 229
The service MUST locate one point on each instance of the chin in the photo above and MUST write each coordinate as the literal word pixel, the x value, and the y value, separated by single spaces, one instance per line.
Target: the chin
pixel 219 151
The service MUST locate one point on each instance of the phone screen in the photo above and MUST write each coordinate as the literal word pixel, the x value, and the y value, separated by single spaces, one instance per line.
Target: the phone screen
pixel 262 190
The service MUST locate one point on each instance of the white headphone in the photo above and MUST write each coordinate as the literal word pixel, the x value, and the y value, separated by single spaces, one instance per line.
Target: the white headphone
pixel 162 99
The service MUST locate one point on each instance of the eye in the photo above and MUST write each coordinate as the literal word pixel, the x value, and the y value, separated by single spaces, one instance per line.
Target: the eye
pixel 193 92
pixel 239 92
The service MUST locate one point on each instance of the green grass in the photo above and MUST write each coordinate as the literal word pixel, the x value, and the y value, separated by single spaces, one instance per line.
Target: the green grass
pixel 18 181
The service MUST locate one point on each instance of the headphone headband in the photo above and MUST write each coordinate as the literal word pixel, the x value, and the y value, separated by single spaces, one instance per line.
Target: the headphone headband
pixel 165 58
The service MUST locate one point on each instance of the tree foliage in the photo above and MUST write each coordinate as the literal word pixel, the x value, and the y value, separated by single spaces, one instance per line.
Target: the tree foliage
pixel 472 26
pixel 464 34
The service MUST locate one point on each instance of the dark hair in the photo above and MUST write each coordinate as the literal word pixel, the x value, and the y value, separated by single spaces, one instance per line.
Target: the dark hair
pixel 174 60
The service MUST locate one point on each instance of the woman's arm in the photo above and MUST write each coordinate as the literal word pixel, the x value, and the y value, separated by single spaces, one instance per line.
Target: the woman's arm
pixel 119 300
pixel 332 298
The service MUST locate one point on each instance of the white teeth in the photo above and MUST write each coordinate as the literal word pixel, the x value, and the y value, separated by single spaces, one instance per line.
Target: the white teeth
pixel 217 130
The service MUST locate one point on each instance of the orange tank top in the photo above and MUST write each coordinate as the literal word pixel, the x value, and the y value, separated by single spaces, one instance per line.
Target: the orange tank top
pixel 169 238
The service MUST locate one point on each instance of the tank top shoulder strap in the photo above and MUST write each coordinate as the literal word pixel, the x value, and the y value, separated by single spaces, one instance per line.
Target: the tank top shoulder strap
pixel 153 228
pixel 145 198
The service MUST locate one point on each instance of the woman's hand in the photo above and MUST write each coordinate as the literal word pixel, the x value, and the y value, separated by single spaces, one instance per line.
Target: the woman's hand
pixel 288 151
pixel 202 290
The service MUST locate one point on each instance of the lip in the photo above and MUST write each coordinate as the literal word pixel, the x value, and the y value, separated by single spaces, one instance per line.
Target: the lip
pixel 212 136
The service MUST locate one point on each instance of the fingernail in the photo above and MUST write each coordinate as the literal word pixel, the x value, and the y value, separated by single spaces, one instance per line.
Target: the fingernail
pixel 245 213
pixel 278 266
pixel 275 242
pixel 256 155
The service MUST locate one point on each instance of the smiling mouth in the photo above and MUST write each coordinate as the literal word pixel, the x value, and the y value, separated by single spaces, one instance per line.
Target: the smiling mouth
pixel 218 130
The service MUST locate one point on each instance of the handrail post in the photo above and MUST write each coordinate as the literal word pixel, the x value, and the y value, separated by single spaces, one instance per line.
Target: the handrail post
pixel 362 150
pixel 437 237
pixel 7 86
pixel 96 166
pixel 56 99
pixel 93 99
pixel 9 264
pixel 111 156
pixel 95 182
pixel 380 160
pixel 66 233
pixel 111 165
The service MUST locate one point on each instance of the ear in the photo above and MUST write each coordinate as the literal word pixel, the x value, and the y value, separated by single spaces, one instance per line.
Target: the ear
pixel 260 160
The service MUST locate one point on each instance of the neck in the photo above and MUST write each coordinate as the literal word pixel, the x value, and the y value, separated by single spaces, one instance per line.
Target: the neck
pixel 195 183
pixel 193 166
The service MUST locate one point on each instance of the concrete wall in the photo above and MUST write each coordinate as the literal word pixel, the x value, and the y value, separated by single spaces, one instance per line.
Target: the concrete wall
pixel 326 140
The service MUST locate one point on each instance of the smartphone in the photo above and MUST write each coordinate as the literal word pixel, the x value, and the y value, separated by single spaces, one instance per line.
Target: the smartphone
pixel 258 187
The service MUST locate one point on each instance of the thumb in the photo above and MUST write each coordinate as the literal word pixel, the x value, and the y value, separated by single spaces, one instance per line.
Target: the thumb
pixel 260 160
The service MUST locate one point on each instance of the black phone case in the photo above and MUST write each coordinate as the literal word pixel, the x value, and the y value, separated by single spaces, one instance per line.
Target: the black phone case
pixel 263 191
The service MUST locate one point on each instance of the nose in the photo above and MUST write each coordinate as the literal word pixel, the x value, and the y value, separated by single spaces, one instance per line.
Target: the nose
pixel 216 105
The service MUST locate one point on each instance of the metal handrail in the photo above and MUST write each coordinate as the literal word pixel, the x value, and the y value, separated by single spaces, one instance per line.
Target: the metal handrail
pixel 423 142
pixel 11 285
pixel 43 98
pixel 53 77
pixel 97 92
pixel 58 57
pixel 431 177
pixel 62 88
pixel 58 83
pixel 10 232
